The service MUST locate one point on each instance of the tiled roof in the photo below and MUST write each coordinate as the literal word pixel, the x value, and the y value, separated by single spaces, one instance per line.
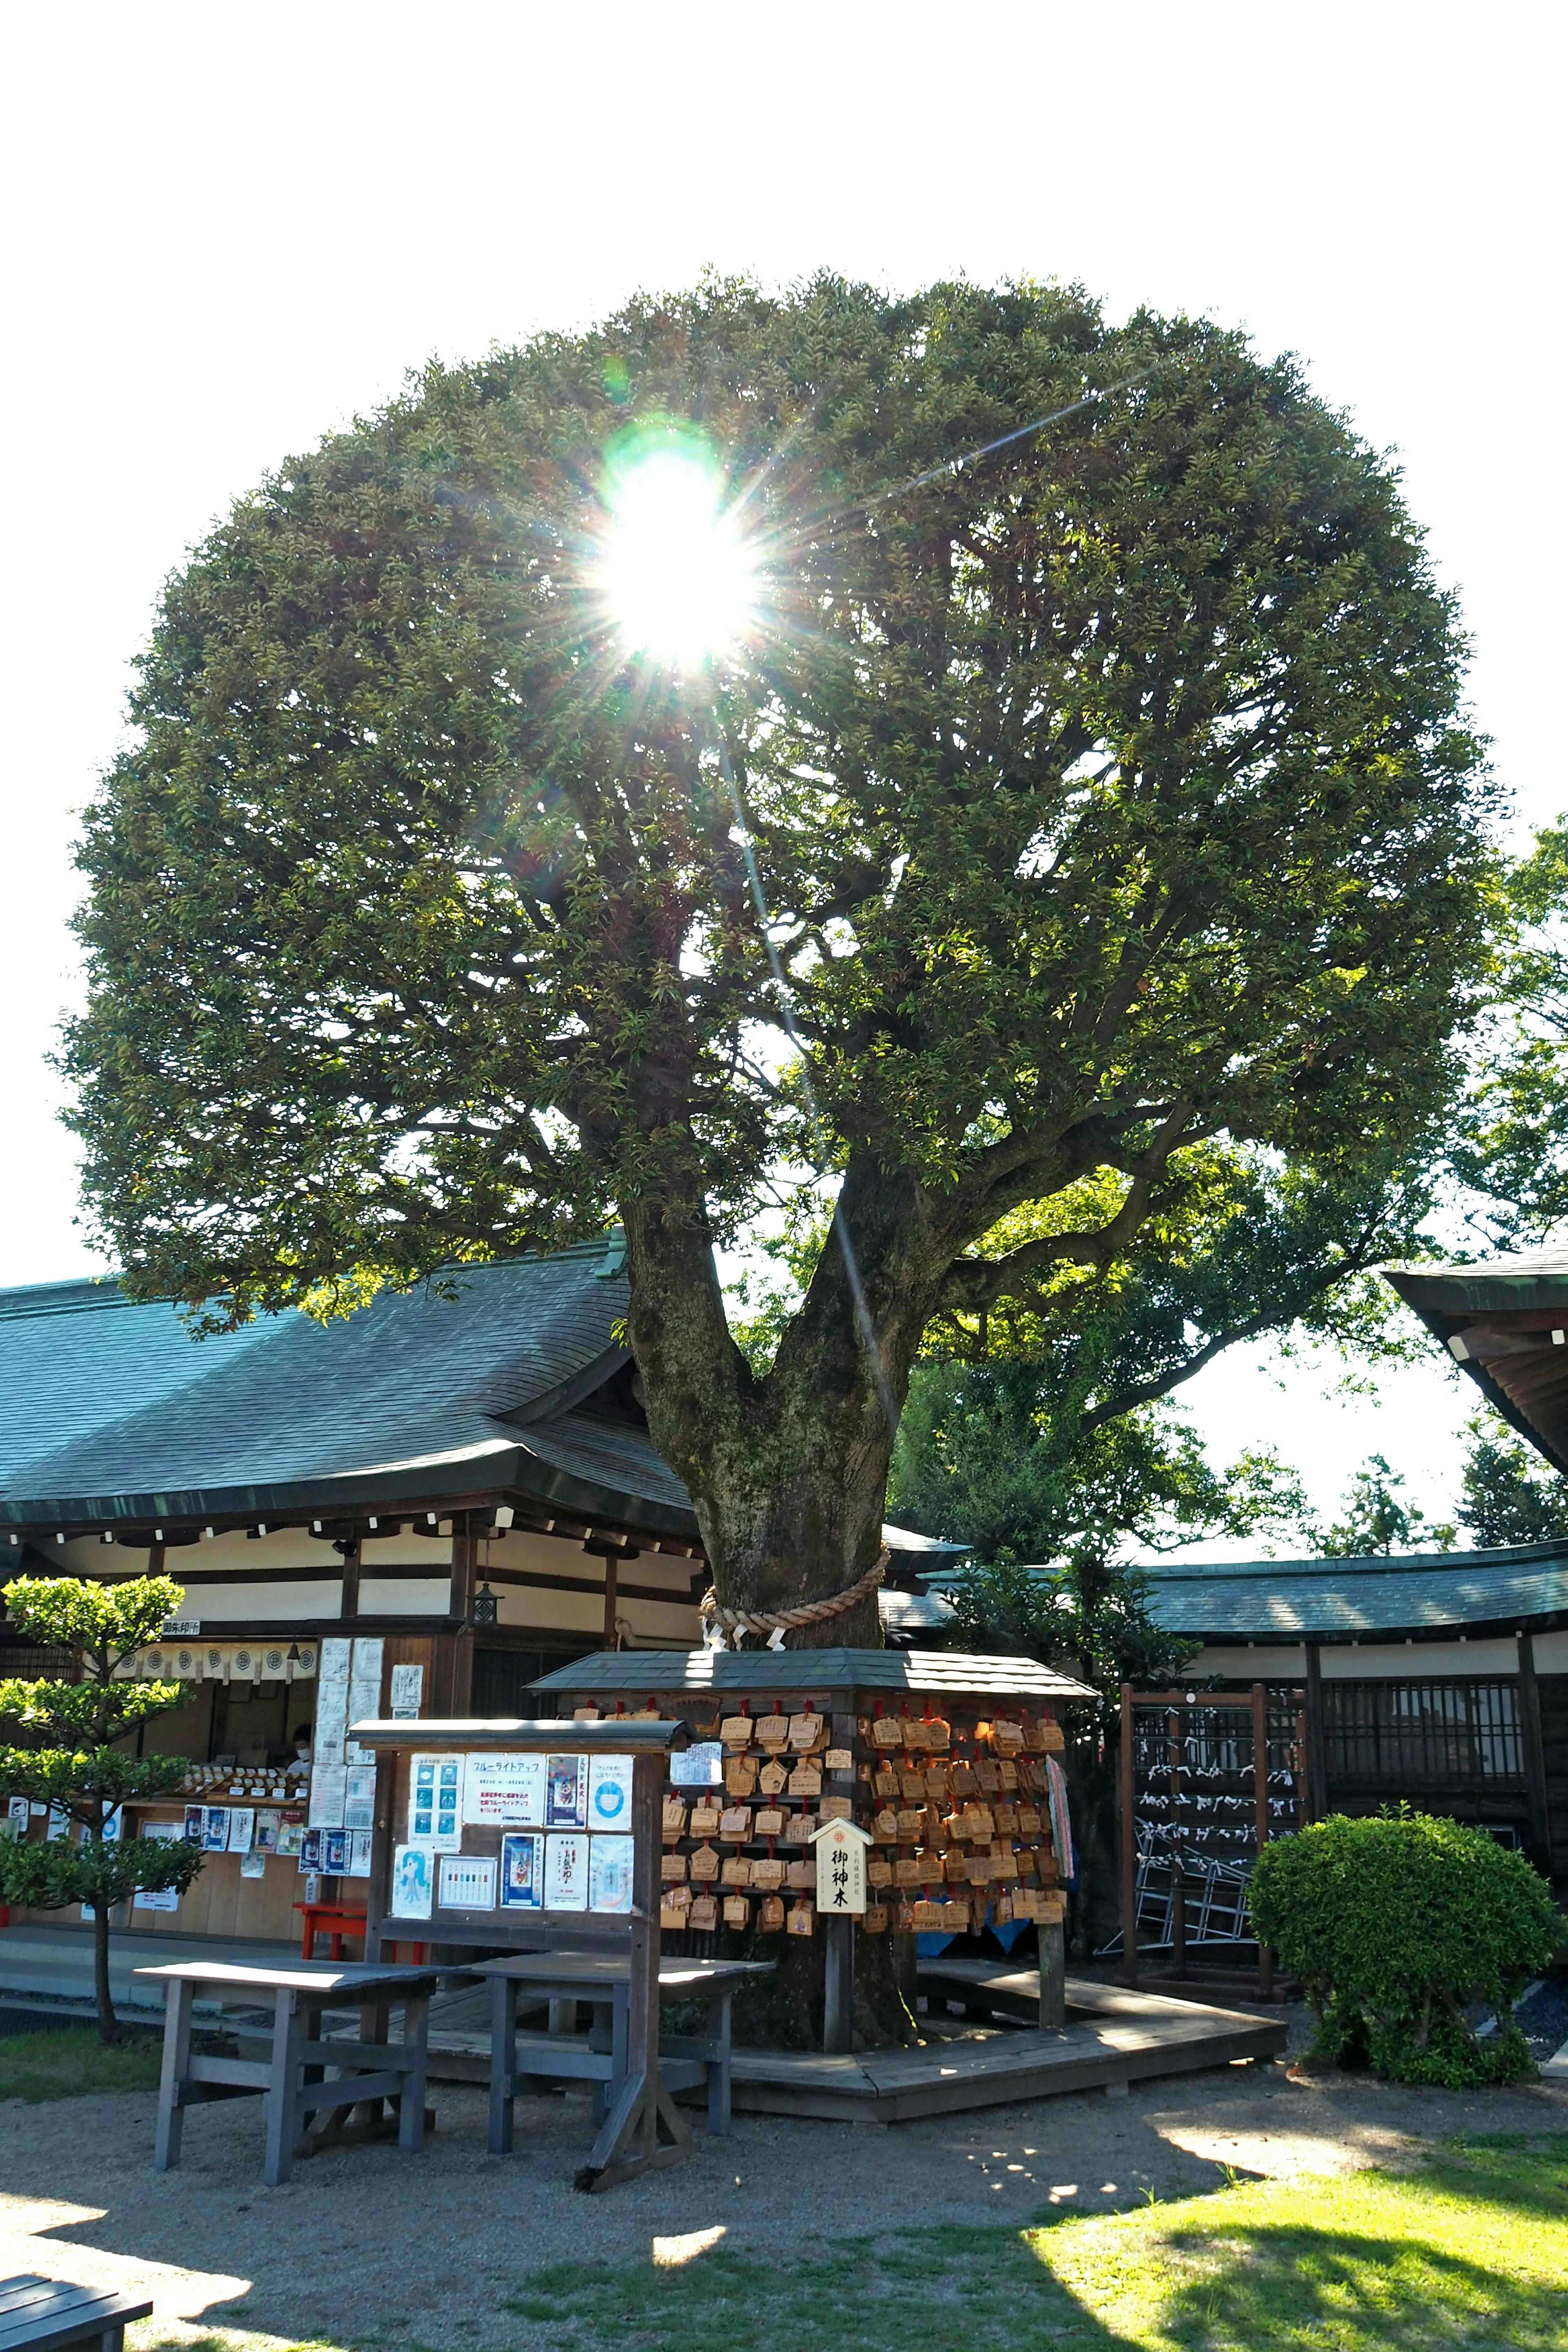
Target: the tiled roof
pixel 1340 1599
pixel 107 1405
pixel 954 1672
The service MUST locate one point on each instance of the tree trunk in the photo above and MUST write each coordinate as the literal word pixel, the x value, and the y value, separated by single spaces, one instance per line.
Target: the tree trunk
pixel 788 1472
pixel 108 2023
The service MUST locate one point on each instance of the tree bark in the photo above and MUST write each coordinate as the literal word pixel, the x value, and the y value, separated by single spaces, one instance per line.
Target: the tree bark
pixel 108 2023
pixel 787 1472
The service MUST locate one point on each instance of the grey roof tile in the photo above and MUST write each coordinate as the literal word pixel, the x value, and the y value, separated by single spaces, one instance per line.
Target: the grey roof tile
pixel 1344 1599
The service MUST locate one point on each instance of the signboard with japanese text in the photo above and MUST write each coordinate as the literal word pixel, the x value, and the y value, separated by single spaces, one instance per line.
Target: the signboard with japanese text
pixel 840 1870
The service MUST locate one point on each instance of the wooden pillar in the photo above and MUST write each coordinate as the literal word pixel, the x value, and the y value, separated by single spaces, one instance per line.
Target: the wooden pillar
pixel 1129 1844
pixel 1260 1812
pixel 465 1547
pixel 611 1579
pixel 1533 1739
pixel 838 1945
pixel 453 1670
pixel 642 2011
pixel 1053 1942
pixel 1317 1742
pixel 838 1985
pixel 351 1581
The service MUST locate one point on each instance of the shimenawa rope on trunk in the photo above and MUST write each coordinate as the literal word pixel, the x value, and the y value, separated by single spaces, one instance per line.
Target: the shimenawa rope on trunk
pixel 809 1613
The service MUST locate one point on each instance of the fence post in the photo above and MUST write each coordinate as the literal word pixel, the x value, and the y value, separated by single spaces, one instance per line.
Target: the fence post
pixel 1260 1811
pixel 1129 1844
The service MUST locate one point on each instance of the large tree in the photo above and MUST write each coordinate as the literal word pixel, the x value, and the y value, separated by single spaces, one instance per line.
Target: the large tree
pixel 1094 739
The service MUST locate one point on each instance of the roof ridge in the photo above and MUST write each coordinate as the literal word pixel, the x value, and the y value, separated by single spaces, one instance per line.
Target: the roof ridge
pixel 82 1293
pixel 1356 1563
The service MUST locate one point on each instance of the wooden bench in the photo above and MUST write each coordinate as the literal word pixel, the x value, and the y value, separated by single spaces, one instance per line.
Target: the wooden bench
pixel 39 2312
pixel 520 2061
pixel 305 2076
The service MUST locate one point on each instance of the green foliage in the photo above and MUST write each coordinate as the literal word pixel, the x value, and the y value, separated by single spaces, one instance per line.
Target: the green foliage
pixel 97 1873
pixel 1397 1927
pixel 1510 1147
pixel 1509 1494
pixel 994 1454
pixel 64 1746
pixel 1111 791
pixel 103 1622
pixel 1378 1520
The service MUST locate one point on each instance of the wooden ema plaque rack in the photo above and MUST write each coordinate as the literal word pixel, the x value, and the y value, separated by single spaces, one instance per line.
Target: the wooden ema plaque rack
pixel 644 2127
pixel 939 1757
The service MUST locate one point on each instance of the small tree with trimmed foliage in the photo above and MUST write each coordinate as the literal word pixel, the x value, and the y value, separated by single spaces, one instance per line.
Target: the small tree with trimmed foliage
pixel 1398 1926
pixel 65 1747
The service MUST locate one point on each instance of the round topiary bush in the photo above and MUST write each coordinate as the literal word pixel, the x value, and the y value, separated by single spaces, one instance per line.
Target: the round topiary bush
pixel 1396 1926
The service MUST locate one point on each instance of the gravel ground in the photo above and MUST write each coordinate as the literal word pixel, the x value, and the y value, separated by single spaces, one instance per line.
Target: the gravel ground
pixel 366 2248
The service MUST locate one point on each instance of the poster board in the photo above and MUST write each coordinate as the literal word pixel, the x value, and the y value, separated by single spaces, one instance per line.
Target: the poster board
pixel 492 1835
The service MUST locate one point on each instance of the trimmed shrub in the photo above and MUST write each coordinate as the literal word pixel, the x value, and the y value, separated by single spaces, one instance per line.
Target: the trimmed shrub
pixel 1396 1926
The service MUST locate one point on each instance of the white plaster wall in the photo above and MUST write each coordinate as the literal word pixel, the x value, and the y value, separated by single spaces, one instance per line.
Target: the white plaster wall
pixel 1371 1661
pixel 405 1596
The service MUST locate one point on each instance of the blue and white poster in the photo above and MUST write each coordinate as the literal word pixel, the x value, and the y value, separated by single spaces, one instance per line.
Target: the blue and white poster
pixel 610 1793
pixel 566 1792
pixel 610 1874
pixel 522 1871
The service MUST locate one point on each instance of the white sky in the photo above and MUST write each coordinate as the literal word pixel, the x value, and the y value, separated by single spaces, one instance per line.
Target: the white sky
pixel 230 228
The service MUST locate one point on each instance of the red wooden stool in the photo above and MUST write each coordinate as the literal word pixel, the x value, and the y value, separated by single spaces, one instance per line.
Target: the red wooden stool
pixel 336 1920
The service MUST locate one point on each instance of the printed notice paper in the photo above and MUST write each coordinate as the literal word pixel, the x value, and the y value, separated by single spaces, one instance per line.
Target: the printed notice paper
pixel 522 1871
pixel 408 1692
pixel 610 1874
pixel 412 1876
pixel 435 1803
pixel 566 1871
pixel 334 1664
pixel 241 1823
pixel 160 1898
pixel 700 1766
pixel 468 1882
pixel 609 1792
pixel 329 1789
pixel 504 1788
pixel 566 1792
pixel 359 1796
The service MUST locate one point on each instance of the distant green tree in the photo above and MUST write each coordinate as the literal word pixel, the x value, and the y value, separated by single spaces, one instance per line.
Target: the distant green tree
pixel 1378 1520
pixel 1509 1494
pixel 1509 1148
pixel 67 1749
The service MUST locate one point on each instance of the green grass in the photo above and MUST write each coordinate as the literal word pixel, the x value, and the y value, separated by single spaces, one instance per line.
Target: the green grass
pixel 1470 2254
pixel 1472 2251
pixel 73 2061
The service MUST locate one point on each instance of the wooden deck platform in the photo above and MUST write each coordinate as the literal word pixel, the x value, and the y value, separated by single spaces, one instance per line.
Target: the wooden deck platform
pixel 1112 2037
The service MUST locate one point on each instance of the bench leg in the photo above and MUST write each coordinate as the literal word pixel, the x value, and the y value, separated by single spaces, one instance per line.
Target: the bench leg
pixel 283 2090
pixel 503 2063
pixel 718 2066
pixel 177 2061
pixel 416 2048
